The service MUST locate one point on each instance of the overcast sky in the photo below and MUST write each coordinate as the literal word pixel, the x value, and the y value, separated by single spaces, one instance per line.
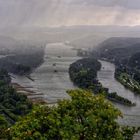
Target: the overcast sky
pixel 69 12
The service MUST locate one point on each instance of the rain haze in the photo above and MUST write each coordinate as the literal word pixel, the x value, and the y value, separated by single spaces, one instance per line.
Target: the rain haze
pixel 61 20
pixel 50 46
pixel 55 13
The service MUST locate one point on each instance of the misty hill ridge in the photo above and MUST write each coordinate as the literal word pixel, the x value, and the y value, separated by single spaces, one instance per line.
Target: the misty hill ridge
pixel 119 49
pixel 118 42
pixel 6 41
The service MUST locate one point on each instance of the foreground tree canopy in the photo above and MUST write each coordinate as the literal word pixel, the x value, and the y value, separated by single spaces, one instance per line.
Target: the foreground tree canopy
pixel 84 117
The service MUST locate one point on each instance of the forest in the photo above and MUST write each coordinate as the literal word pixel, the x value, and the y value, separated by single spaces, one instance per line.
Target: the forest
pixel 12 104
pixel 24 62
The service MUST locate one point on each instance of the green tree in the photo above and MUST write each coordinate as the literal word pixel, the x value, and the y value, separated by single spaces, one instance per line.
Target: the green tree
pixel 3 126
pixel 84 117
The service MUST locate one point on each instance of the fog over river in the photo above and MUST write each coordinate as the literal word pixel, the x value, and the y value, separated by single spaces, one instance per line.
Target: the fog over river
pixel 52 78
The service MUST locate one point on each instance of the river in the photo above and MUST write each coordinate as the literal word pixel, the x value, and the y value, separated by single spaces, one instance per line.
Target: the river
pixel 51 79
pixel 131 114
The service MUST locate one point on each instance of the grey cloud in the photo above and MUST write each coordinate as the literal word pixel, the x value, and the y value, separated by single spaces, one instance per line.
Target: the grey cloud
pixel 131 4
pixel 68 12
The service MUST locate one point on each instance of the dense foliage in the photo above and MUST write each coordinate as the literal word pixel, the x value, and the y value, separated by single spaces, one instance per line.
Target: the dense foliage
pixel 125 54
pixel 127 78
pixel 119 49
pixel 3 126
pixel 12 104
pixel 134 64
pixel 134 61
pixel 84 117
pixel 22 63
pixel 83 73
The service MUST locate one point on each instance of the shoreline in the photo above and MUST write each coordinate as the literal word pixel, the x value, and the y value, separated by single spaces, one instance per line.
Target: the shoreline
pixel 31 95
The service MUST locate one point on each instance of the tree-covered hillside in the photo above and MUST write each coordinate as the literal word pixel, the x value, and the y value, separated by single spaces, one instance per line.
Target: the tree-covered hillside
pixel 23 63
pixel 125 54
pixel 12 104
pixel 119 49
pixel 134 61
pixel 84 71
pixel 118 42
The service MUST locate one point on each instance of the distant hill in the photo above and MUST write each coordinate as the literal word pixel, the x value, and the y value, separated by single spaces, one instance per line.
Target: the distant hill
pixel 118 42
pixel 5 40
pixel 79 36
pixel 119 48
pixel 88 41
pixel 18 56
pixel 9 45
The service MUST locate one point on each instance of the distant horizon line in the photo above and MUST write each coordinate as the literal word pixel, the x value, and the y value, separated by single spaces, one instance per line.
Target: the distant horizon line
pixel 68 26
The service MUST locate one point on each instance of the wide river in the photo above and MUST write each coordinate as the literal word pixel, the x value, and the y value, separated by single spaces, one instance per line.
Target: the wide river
pixel 51 79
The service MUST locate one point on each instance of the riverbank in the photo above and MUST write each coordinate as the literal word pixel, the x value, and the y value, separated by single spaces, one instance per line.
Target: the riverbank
pixel 24 62
pixel 127 81
pixel 126 75
pixel 31 95
pixel 83 73
pixel 53 85
pixel 12 104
